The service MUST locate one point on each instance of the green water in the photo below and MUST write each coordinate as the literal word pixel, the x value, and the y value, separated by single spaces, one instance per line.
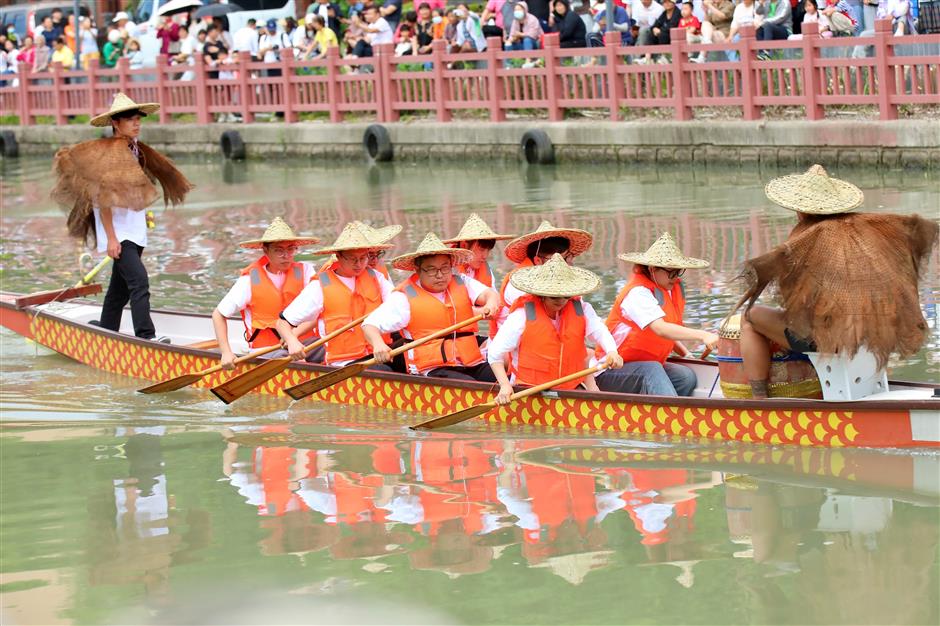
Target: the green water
pixel 119 508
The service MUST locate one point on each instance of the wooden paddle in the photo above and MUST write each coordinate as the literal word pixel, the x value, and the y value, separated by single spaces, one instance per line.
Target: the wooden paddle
pixel 480 409
pixel 236 387
pixel 188 379
pixel 314 385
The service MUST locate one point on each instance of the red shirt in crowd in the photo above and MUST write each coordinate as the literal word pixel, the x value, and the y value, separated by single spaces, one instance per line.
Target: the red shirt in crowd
pixel 691 22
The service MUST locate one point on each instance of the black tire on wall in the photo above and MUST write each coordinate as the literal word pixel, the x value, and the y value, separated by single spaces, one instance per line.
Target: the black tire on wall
pixel 232 145
pixel 9 147
pixel 537 148
pixel 377 143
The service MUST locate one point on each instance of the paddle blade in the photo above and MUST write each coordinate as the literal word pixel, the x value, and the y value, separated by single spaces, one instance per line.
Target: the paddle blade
pixel 298 392
pixel 236 387
pixel 455 418
pixel 173 384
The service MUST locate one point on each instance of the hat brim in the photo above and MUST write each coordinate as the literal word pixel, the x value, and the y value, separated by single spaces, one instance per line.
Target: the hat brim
pixel 583 282
pixel 147 108
pixel 677 263
pixel 335 249
pixel 406 262
pixel 580 241
pixel 386 233
pixel 259 243
pixel 494 237
pixel 781 191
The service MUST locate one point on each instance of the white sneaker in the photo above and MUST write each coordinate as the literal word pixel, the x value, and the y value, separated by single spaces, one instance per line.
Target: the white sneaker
pixel 700 58
pixel 528 65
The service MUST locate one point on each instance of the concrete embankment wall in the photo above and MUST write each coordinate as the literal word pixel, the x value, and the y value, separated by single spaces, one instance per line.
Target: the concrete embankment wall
pixel 911 144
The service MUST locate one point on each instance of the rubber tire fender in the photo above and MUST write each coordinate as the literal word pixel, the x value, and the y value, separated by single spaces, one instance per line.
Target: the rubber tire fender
pixel 377 143
pixel 9 146
pixel 232 145
pixel 537 148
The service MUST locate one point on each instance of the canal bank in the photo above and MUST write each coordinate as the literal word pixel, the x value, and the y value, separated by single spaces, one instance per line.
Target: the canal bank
pixel 906 144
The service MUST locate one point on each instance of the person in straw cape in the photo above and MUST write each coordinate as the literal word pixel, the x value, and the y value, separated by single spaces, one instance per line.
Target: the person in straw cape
pixel 344 291
pixel 646 321
pixel 264 288
pixel 477 237
pixel 546 330
pixel 106 185
pixel 434 298
pixel 844 279
pixel 378 236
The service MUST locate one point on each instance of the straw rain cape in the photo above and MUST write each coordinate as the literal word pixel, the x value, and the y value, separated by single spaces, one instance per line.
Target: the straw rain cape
pixel 105 173
pixel 851 280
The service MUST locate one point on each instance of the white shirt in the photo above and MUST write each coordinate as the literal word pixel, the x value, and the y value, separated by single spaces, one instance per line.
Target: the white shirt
pixel 743 14
pixel 507 339
pixel 510 295
pixel 270 41
pixel 238 297
pixel 129 225
pixel 384 33
pixel 246 40
pixel 641 307
pixel 645 17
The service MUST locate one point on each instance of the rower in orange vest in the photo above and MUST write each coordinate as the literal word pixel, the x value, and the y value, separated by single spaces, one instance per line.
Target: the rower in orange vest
pixel 343 292
pixel 378 236
pixel 477 237
pixel 431 300
pixel 646 321
pixel 546 330
pixel 264 288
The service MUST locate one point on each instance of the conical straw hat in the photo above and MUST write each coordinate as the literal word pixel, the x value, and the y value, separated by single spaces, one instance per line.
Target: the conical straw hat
pixel 664 253
pixel 475 229
pixel 580 240
pixel 379 235
pixel 353 237
pixel 431 245
pixel 555 279
pixel 277 232
pixel 814 192
pixel 120 104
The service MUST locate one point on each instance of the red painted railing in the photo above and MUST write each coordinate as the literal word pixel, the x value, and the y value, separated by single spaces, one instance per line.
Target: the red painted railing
pixel 811 73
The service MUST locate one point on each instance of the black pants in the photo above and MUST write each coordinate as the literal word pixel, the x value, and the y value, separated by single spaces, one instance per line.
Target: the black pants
pixel 482 372
pixel 362 49
pixel 129 283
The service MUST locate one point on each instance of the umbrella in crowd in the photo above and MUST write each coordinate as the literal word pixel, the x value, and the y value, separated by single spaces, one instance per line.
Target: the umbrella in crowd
pixel 178 6
pixel 216 10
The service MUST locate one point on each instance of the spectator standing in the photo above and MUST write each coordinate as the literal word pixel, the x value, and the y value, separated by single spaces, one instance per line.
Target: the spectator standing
pixel 297 36
pixel 775 19
pixel 245 39
pixel 271 44
pixel 570 28
pixel 168 32
pixel 113 49
pixel 58 26
pixel 43 55
pixel 63 54
pixel 88 36
pixel 496 15
pixel 525 30
pixel 122 21
pixel 541 9
pixel 45 28
pixel 135 57
pixel 7 61
pixel 391 11
pixel 27 55
pixel 186 54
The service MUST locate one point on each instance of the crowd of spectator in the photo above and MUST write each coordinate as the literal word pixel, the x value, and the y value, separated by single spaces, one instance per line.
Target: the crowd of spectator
pixel 364 24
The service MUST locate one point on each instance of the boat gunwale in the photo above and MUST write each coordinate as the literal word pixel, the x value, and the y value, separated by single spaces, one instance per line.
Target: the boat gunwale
pixel 865 406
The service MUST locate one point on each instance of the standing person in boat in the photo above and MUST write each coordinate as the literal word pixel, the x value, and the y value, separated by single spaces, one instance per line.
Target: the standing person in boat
pixel 477 237
pixel 264 288
pixel 344 291
pixel 646 322
pixel 546 330
pixel 433 298
pixel 106 184
pixel 846 280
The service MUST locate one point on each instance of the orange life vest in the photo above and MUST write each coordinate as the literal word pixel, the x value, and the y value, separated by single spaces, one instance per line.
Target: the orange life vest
pixel 544 353
pixel 341 306
pixel 642 344
pixel 429 315
pixel 483 274
pixel 382 269
pixel 267 301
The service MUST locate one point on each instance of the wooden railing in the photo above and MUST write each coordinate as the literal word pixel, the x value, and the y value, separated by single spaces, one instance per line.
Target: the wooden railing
pixel 811 73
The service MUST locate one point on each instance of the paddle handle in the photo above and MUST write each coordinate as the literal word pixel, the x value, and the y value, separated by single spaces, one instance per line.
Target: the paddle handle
pixel 242 359
pixel 554 383
pixel 339 331
pixel 87 278
pixel 431 337
pixel 705 354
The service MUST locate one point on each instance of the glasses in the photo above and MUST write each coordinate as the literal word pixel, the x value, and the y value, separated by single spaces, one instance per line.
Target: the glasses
pixel 373 256
pixel 671 274
pixel 436 271
pixel 360 259
pixel 284 251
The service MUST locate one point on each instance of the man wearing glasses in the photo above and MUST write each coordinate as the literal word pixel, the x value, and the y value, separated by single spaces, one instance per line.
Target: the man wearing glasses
pixel 432 299
pixel 344 291
pixel 264 288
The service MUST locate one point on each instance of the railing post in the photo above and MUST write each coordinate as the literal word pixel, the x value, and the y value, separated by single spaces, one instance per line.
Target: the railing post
pixel 202 90
pixel 681 86
pixel 887 85
pixel 332 83
pixel 748 80
pixel 612 40
pixel 812 87
pixel 123 65
pixel 26 118
pixel 60 95
pixel 92 78
pixel 162 95
pixel 287 91
pixel 553 86
pixel 386 53
pixel 245 90
pixel 438 47
pixel 493 47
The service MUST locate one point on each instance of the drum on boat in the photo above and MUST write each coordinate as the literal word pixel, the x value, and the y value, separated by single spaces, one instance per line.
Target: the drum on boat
pixel 792 375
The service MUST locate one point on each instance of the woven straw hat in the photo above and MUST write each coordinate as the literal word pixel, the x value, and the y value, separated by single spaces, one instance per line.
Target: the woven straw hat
pixel 431 245
pixel 664 253
pixel 353 237
pixel 555 279
pixel 580 240
pixel 475 229
pixel 277 232
pixel 814 193
pixel 120 104
pixel 379 235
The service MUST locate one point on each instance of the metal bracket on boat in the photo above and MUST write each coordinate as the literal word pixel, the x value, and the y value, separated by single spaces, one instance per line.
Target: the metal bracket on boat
pixel 549 394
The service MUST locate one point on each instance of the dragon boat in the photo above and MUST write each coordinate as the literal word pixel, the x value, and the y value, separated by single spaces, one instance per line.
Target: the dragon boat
pixel 907 414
